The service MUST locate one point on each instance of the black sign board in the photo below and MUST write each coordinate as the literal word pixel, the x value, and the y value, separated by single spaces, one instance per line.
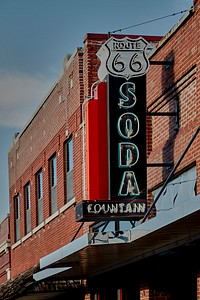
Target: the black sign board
pixel 104 210
pixel 127 138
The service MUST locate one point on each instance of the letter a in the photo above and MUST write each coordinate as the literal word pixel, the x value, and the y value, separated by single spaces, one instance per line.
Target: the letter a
pixel 129 185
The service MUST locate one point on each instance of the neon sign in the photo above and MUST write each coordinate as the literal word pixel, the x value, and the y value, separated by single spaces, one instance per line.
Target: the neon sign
pixel 127 135
pixel 124 65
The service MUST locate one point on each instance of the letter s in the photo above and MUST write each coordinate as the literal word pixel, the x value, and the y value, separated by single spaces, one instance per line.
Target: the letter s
pixel 127 92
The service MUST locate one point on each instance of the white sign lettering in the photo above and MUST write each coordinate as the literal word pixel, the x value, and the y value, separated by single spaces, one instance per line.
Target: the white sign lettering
pixel 115 208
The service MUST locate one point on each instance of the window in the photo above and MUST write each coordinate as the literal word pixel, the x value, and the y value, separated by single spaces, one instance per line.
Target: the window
pixel 39 196
pixel 17 217
pixel 53 184
pixel 69 169
pixel 27 197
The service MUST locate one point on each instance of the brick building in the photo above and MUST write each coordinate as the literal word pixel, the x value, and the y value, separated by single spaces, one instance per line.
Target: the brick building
pixel 52 255
pixel 5 250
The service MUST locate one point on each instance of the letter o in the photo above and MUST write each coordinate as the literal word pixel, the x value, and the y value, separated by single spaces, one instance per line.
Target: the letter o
pixel 97 208
pixel 128 125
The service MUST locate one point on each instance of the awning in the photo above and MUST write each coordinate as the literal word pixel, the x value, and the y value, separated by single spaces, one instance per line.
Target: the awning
pixel 96 253
pixel 15 287
pixel 24 287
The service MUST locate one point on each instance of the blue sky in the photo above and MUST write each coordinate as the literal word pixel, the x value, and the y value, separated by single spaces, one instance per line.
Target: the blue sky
pixel 35 36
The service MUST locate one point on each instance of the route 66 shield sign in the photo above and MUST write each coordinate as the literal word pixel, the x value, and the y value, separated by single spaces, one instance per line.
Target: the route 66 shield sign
pixel 123 58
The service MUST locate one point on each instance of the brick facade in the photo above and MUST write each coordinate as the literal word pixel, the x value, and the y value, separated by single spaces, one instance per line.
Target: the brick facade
pixel 172 87
pixel 5 250
pixel 169 85
pixel 58 118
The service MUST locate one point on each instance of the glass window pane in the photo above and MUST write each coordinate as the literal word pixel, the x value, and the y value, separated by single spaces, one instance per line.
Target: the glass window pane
pixel 69 170
pixel 27 208
pixel 39 185
pixel 53 171
pixel 69 155
pixel 17 207
pixel 27 196
pixel 53 183
pixel 39 191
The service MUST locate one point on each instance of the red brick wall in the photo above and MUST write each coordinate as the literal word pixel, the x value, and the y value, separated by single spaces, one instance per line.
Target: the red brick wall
pixel 165 85
pixel 45 135
pixel 4 250
pixel 5 230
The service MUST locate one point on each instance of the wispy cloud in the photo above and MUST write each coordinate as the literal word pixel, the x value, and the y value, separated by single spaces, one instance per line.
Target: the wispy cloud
pixel 20 95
